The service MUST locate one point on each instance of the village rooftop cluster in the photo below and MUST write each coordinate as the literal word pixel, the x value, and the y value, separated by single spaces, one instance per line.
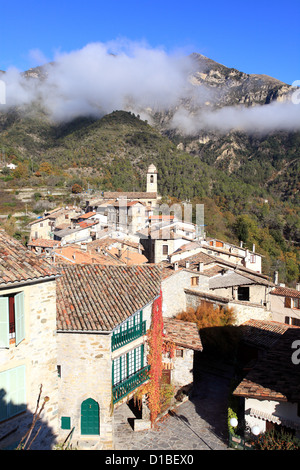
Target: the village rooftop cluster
pixel 76 306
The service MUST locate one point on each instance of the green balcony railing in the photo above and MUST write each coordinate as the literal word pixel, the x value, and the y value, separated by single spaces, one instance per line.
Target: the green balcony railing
pixel 124 337
pixel 122 389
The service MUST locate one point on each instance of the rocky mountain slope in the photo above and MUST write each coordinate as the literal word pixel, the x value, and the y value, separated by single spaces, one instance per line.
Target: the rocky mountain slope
pixel 233 171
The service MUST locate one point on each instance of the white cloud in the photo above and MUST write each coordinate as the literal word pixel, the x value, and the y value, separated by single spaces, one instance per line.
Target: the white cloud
pixel 102 77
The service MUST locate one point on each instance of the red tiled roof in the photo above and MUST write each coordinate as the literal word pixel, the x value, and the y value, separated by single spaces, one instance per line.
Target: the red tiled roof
pixel 19 265
pixel 44 243
pixel 183 333
pixel 263 333
pixel 98 298
pixel 86 215
pixel 286 292
pixel 276 376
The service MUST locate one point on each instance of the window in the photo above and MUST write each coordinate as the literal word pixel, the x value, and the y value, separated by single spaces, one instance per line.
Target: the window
pixel 296 303
pixel 12 386
pixel 179 352
pixel 295 321
pixel 12 319
pixel 252 258
pixel 165 249
pixel 243 293
pixel 195 281
pixel 127 364
pixel 287 302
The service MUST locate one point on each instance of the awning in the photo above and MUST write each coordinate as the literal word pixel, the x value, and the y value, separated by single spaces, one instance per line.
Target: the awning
pixel 274 419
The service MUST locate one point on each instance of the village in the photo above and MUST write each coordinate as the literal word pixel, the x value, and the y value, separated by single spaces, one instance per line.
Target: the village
pixel 79 314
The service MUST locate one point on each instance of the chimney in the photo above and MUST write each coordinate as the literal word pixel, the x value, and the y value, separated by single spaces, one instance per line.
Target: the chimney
pixel 187 264
pixel 200 267
pixel 241 244
pixel 276 278
pixel 253 248
pixel 175 265
pixel 298 287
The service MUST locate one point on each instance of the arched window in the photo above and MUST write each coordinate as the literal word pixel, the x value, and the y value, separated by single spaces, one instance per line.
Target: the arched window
pixel 90 417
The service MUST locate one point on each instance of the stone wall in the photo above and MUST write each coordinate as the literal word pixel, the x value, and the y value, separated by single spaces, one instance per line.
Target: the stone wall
pixel 38 353
pixel 86 372
pixel 174 297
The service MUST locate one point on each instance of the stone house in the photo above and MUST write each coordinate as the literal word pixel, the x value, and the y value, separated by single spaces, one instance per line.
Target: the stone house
pixel 44 227
pixel 28 348
pixel 179 369
pixel 127 216
pixel 205 278
pixel 270 393
pixel 236 254
pixel 103 313
pixel 285 304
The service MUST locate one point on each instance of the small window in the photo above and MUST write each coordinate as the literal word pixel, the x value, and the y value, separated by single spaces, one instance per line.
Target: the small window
pixel 287 302
pixel 179 352
pixel 296 303
pixel 195 281
pixel 243 293
pixel 295 321
pixel 253 259
pixel 12 319
pixel 165 249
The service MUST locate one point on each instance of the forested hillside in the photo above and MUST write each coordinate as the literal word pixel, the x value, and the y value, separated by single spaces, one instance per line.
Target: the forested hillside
pixel 249 185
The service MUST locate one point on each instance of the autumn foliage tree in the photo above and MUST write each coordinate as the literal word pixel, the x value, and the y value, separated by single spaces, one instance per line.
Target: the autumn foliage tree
pixel 208 315
pixel 219 336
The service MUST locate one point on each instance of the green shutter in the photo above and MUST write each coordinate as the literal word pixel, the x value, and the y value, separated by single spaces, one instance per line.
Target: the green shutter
pixel 65 422
pixel 13 393
pixel 19 317
pixel 4 323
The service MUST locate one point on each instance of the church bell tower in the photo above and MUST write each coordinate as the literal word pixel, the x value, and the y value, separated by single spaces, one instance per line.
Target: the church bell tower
pixel 152 179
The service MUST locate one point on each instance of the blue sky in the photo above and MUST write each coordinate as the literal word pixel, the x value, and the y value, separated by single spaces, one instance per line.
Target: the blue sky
pixel 254 37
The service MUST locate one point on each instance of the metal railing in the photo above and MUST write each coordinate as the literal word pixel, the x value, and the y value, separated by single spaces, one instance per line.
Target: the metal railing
pixel 122 389
pixel 124 337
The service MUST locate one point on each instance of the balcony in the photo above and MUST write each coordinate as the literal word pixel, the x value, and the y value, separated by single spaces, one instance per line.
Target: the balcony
pixel 123 388
pixel 124 337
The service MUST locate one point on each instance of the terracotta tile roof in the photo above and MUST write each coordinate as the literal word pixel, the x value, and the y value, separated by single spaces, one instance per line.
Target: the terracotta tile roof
pixel 128 257
pixel 87 215
pixel 98 298
pixel 44 243
pixel 183 333
pixel 263 333
pixel 19 265
pixel 75 255
pixel 286 292
pixel 275 377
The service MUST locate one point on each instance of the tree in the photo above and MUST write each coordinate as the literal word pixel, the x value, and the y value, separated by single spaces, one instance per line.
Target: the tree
pixel 76 188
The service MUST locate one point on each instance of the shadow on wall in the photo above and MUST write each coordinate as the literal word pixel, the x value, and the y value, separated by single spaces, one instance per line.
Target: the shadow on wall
pixel 19 428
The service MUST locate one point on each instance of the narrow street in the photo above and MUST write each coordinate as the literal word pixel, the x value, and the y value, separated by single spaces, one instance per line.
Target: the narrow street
pixel 197 424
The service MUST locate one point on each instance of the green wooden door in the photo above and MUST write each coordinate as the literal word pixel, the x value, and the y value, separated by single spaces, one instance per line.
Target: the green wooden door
pixel 90 417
